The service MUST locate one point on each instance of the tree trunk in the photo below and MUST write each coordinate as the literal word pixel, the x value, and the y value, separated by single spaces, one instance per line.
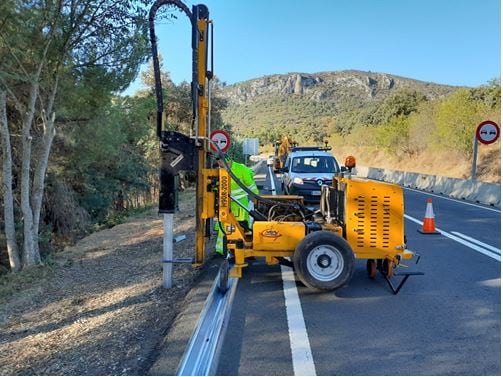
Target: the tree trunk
pixel 8 197
pixel 29 257
pixel 41 167
pixel 39 178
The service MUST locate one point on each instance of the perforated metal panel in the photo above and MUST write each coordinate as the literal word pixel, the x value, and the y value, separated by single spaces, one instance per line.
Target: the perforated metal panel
pixel 374 218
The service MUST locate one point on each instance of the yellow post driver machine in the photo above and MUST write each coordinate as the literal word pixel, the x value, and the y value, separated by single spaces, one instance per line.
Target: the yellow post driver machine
pixel 357 219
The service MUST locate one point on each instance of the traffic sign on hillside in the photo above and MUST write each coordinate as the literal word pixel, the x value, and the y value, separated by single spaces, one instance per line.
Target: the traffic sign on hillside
pixel 487 132
pixel 250 147
pixel 221 138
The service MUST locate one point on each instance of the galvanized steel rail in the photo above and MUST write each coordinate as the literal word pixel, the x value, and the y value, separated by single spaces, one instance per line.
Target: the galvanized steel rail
pixel 203 351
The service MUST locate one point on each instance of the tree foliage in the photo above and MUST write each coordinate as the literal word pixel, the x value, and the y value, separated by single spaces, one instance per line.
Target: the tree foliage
pixel 60 61
pixel 414 124
pixel 456 120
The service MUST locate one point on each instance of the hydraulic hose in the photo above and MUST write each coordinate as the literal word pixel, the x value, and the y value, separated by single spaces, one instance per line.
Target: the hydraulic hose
pixel 155 58
pixel 250 193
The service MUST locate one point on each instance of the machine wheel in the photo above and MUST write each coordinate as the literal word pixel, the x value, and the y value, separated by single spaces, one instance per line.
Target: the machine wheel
pixel 323 260
pixel 223 281
pixel 371 268
pixel 386 268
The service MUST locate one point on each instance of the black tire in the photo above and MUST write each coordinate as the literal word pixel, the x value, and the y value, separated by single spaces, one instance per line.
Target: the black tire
pixel 223 281
pixel 371 268
pixel 323 260
pixel 387 268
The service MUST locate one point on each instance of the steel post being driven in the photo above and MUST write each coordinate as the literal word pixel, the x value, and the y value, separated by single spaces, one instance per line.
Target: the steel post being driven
pixel 167 251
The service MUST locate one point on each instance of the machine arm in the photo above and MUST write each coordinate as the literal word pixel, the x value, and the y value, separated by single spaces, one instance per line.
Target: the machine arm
pixel 155 57
pixel 178 151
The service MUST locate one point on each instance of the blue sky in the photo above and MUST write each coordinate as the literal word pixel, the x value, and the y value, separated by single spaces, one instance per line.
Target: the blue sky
pixel 456 42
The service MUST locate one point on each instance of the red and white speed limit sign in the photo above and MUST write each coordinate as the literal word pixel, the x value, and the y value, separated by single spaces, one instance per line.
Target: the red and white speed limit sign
pixel 220 138
pixel 487 132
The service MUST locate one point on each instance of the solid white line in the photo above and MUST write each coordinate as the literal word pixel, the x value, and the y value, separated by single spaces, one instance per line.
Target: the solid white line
pixel 452 199
pixel 273 185
pixel 303 364
pixel 480 243
pixel 460 240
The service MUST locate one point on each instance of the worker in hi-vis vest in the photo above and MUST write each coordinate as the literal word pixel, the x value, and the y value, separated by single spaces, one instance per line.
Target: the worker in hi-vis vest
pixel 245 175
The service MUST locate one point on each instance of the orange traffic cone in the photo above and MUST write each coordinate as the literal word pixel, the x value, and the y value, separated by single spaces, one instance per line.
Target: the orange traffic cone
pixel 429 219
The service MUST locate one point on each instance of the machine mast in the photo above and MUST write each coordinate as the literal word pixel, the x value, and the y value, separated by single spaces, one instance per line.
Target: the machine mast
pixel 178 151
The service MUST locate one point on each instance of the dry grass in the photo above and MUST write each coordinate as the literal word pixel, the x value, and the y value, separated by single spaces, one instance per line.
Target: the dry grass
pixel 442 164
pixel 99 309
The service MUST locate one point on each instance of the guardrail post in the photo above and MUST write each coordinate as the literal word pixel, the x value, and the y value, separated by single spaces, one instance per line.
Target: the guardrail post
pixel 167 251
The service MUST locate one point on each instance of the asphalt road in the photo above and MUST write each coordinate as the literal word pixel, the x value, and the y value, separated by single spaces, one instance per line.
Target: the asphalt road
pixel 446 322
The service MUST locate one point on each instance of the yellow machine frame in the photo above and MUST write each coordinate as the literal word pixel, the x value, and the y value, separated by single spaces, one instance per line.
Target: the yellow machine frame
pixel 364 219
pixel 373 223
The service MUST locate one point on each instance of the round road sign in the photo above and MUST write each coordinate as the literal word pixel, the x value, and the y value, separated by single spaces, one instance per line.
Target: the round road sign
pixel 487 132
pixel 220 138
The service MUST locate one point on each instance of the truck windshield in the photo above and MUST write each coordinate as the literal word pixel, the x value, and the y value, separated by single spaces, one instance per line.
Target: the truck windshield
pixel 314 164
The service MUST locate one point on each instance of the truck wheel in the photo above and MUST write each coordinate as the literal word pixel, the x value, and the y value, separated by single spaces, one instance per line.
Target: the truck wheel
pixel 323 260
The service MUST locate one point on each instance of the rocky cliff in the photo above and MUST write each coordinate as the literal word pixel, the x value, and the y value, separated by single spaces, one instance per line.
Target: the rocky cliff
pixel 313 105
pixel 329 86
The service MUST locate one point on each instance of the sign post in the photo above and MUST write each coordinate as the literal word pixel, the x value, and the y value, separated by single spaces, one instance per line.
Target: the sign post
pixel 487 133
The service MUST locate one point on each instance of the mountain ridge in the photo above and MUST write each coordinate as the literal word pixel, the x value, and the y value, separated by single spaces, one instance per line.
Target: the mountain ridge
pixel 301 82
pixel 271 105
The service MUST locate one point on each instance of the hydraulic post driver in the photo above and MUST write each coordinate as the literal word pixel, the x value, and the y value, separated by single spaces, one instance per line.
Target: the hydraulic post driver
pixel 357 219
pixel 178 151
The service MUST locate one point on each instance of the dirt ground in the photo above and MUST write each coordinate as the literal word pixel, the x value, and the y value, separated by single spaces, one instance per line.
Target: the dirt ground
pixel 99 308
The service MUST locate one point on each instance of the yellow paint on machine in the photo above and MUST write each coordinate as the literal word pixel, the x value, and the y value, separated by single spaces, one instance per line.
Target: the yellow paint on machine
pixel 374 219
pixel 276 236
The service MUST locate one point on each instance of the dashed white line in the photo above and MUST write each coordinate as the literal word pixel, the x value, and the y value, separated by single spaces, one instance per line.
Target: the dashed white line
pixel 460 240
pixel 480 243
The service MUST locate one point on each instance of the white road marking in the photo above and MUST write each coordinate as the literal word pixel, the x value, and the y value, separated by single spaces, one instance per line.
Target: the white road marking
pixel 453 200
pixel 480 243
pixel 273 184
pixel 302 358
pixel 460 240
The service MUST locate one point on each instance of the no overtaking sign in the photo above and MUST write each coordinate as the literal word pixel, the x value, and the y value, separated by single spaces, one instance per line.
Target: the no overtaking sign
pixel 222 139
pixel 487 132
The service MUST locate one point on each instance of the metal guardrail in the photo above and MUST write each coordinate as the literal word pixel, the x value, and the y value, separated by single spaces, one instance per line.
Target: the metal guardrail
pixel 203 350
pixel 202 353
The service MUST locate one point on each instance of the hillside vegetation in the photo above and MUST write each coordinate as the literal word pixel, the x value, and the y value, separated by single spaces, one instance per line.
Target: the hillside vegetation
pixel 384 119
pixel 77 156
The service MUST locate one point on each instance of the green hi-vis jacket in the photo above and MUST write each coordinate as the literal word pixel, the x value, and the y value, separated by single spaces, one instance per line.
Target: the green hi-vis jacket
pixel 245 176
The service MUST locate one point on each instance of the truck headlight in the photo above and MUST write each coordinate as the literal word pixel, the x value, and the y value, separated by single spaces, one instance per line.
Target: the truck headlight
pixel 298 181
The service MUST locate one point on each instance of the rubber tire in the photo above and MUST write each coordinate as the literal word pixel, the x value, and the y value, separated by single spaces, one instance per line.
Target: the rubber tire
pixel 320 238
pixel 387 268
pixel 371 268
pixel 223 281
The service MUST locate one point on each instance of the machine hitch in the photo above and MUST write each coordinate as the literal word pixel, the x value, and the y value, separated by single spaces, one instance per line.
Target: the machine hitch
pixel 402 282
pixel 387 276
